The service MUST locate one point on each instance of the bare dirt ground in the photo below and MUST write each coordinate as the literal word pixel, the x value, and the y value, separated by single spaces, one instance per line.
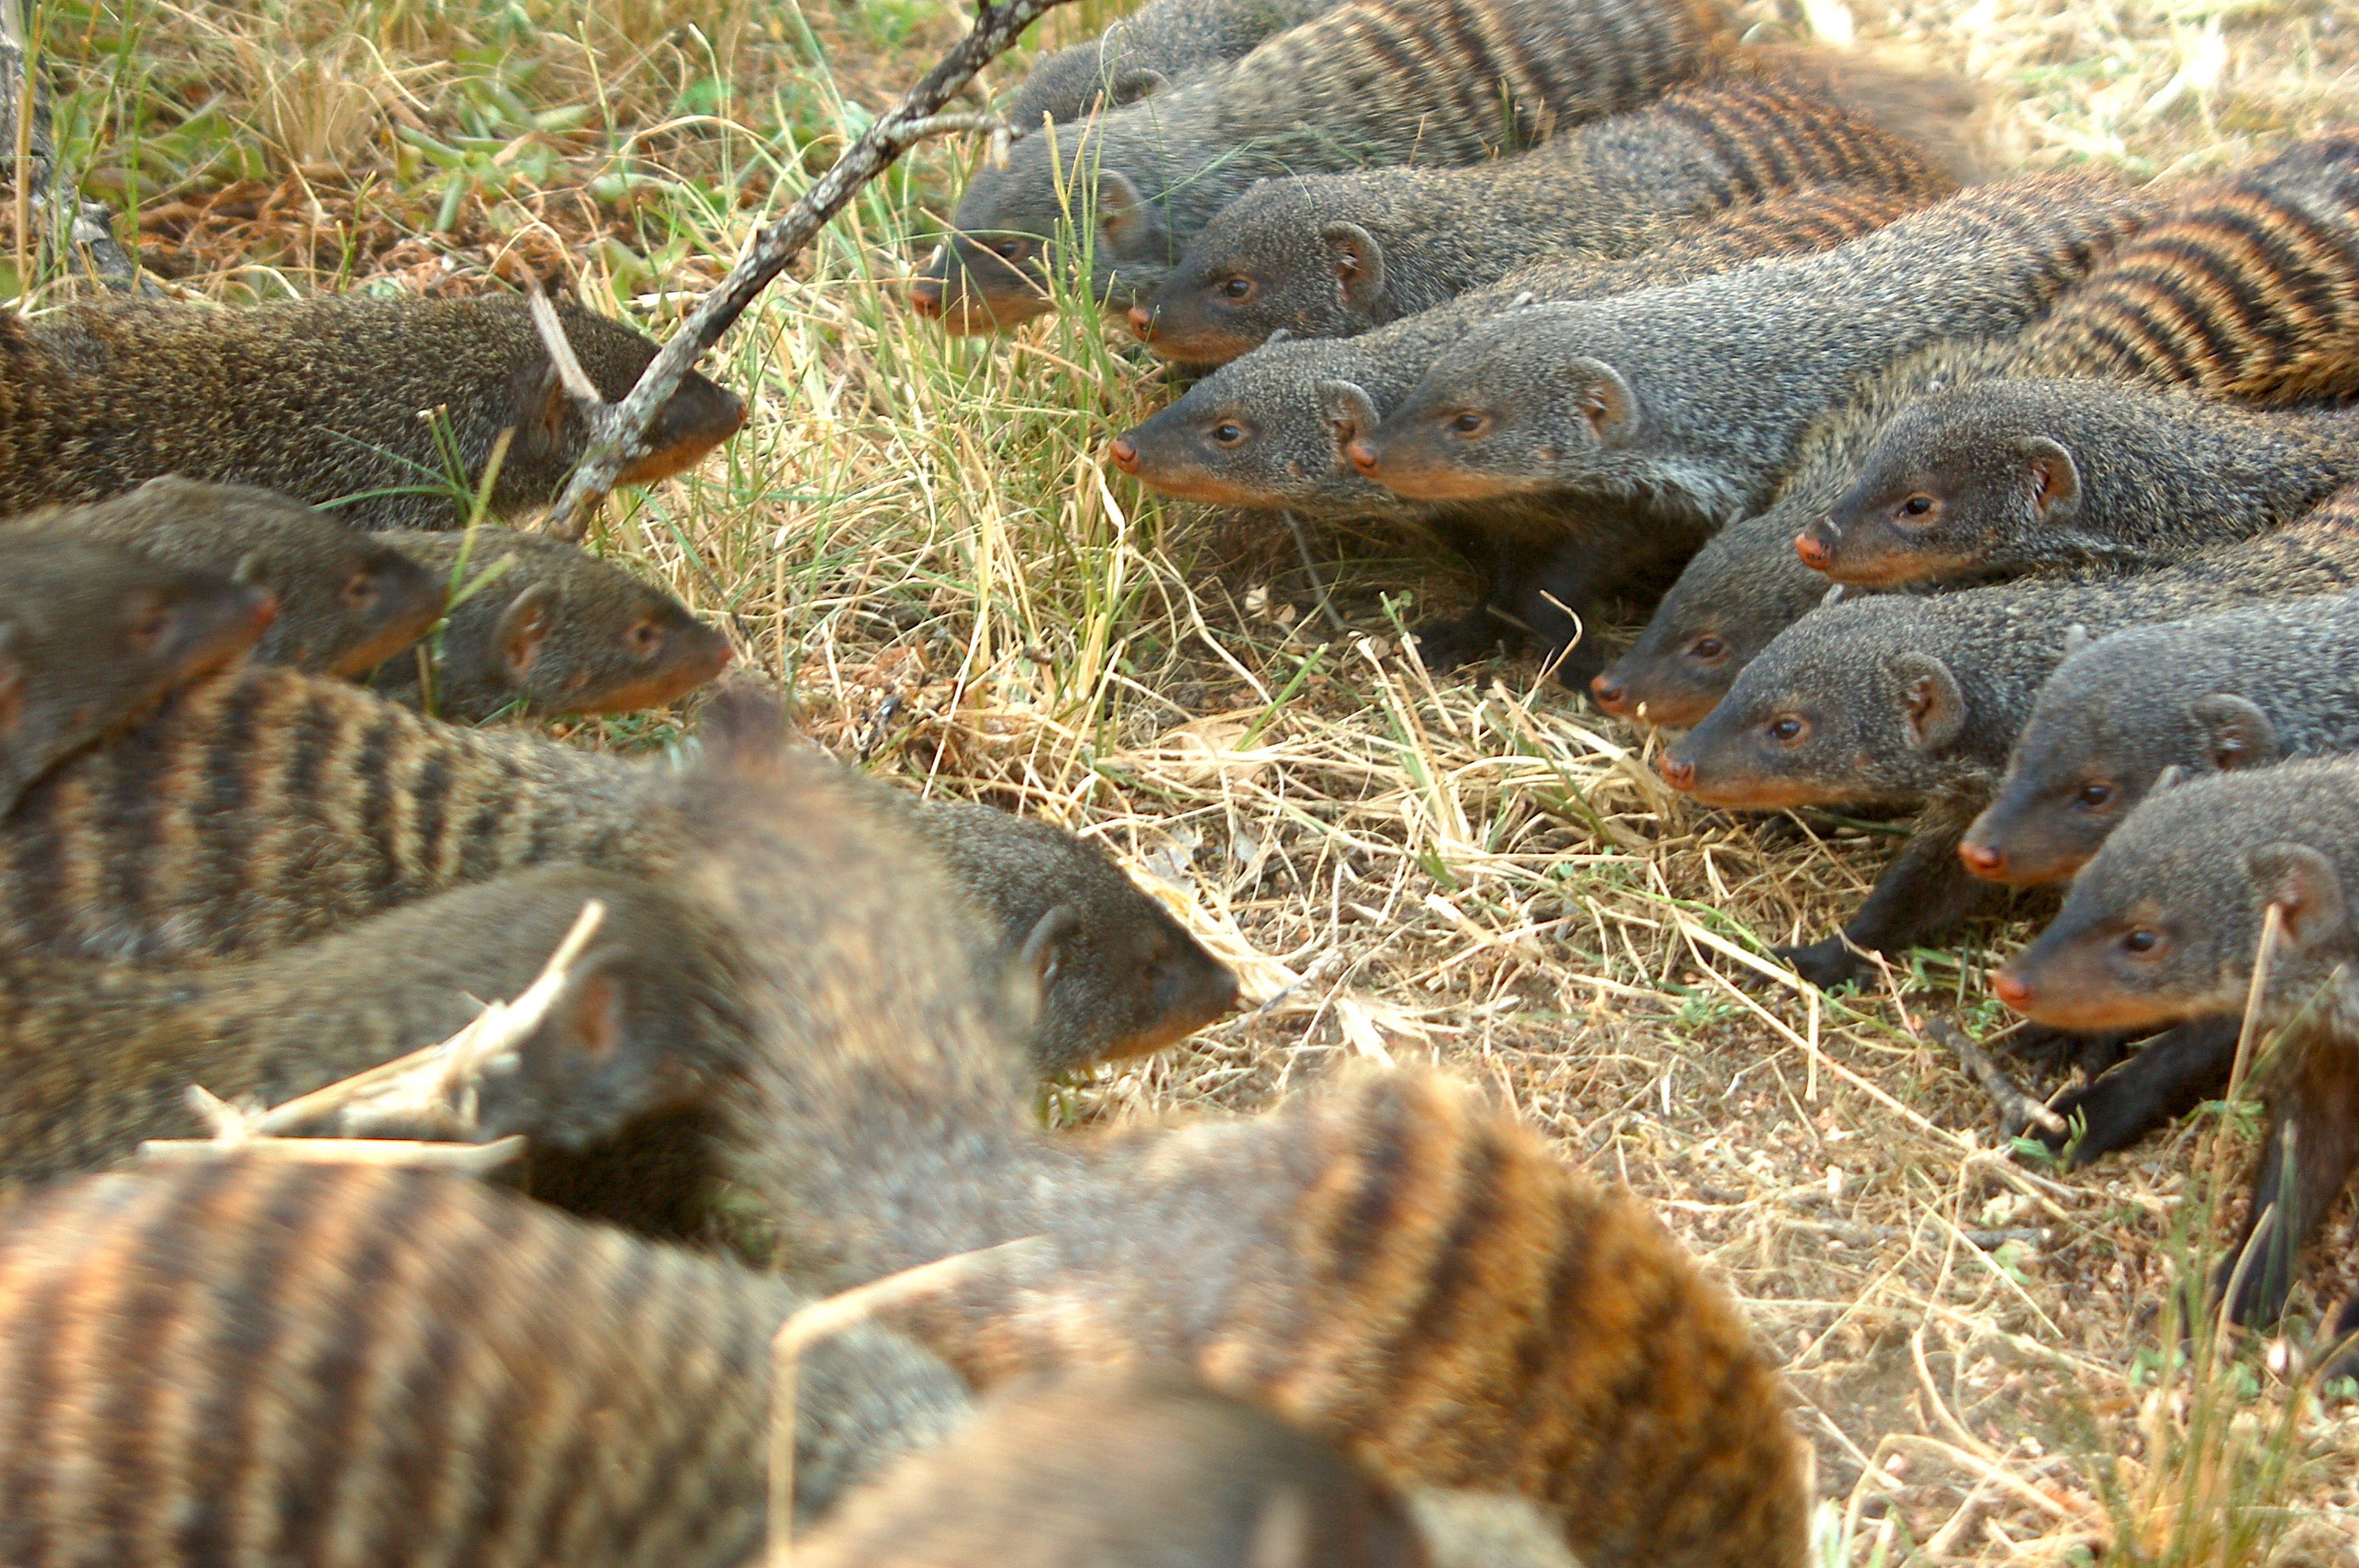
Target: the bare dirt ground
pixel 1478 870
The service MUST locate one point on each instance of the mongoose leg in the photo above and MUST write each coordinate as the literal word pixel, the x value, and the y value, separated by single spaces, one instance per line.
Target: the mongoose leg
pixel 1922 893
pixel 2313 1143
pixel 2170 1075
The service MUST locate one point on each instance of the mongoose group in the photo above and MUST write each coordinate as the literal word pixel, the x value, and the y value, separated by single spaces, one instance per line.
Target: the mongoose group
pixel 2009 504
pixel 1599 296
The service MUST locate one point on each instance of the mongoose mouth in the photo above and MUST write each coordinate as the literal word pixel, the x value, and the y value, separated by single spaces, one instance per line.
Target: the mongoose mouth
pixel 1634 692
pixel 658 690
pixel 1891 565
pixel 235 625
pixel 2068 990
pixel 1757 794
pixel 1193 343
pixel 700 417
pixel 2017 862
pixel 1182 483
pixel 1407 469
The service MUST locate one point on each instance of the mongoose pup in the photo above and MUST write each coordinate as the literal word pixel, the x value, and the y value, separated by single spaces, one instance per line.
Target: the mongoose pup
pixel 1370 82
pixel 268 808
pixel 2166 920
pixel 1151 1472
pixel 1119 977
pixel 2001 478
pixel 1397 1267
pixel 95 1057
pixel 93 637
pixel 1147 51
pixel 1333 255
pixel 346 601
pixel 1892 700
pixel 1692 401
pixel 551 628
pixel 250 1361
pixel 2240 688
pixel 326 400
pixel 2246 286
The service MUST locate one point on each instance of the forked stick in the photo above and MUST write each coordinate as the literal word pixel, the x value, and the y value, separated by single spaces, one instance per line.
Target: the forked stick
pixel 2016 1110
pixel 433 1086
pixel 831 1316
pixel 618 431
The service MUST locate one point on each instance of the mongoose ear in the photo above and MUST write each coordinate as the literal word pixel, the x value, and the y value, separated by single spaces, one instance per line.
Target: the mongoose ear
pixel 1349 410
pixel 1604 399
pixel 1935 708
pixel 1281 1536
pixel 2306 888
pixel 2055 480
pixel 1358 259
pixel 524 626
pixel 2076 637
pixel 1834 596
pixel 251 570
pixel 1122 211
pixel 1044 949
pixel 2236 733
pixel 1139 82
pixel 2171 777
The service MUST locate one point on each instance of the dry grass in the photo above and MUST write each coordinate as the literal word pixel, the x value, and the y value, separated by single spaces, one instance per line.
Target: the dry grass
pixel 1479 869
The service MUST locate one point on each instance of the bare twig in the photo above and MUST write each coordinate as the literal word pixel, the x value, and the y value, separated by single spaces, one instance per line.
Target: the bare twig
pixel 432 1087
pixel 618 432
pixel 2016 1110
pixel 466 1159
pixel 833 1315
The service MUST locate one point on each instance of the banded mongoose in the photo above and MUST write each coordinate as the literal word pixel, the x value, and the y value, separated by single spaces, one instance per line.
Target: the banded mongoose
pixel 1119 976
pixel 1692 401
pixel 1397 1266
pixel 349 399
pixel 551 628
pixel 1997 479
pixel 2165 921
pixel 1372 81
pixel 1267 431
pixel 2247 286
pixel 250 1361
pixel 1333 255
pixel 346 601
pixel 1161 43
pixel 2239 688
pixel 267 807
pixel 1892 699
pixel 97 1056
pixel 1150 1472
pixel 93 637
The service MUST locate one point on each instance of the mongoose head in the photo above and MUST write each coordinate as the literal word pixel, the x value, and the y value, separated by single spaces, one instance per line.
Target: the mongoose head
pixel 1118 974
pixel 346 600
pixel 1844 708
pixel 540 625
pixel 1285 256
pixel 93 637
pixel 551 433
pixel 2163 922
pixel 2115 716
pixel 1265 431
pixel 1089 1468
pixel 1741 590
pixel 1962 484
pixel 1055 203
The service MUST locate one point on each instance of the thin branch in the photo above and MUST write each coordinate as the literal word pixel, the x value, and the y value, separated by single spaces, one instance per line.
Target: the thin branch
pixel 618 432
pixel 2016 1110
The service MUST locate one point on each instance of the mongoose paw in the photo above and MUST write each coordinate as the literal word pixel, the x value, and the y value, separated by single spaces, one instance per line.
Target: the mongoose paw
pixel 1827 964
pixel 1446 642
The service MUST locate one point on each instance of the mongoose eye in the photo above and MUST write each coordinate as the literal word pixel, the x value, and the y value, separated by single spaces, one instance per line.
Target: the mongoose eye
pixel 150 620
pixel 2093 794
pixel 2141 939
pixel 1918 506
pixel 1786 730
pixel 1471 424
pixel 644 638
pixel 1707 648
pixel 1228 433
pixel 1012 250
pixel 1236 288
pixel 359 589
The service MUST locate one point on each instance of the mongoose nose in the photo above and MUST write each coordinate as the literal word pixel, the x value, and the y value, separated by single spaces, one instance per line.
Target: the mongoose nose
pixel 1124 454
pixel 926 297
pixel 1816 553
pixel 1142 323
pixel 1609 693
pixel 2010 988
pixel 1982 858
pixel 1676 772
pixel 1363 456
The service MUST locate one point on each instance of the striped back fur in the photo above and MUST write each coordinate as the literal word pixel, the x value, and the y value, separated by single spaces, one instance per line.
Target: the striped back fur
pixel 266 805
pixel 1450 81
pixel 249 1362
pixel 1794 223
pixel 1769 137
pixel 2246 288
